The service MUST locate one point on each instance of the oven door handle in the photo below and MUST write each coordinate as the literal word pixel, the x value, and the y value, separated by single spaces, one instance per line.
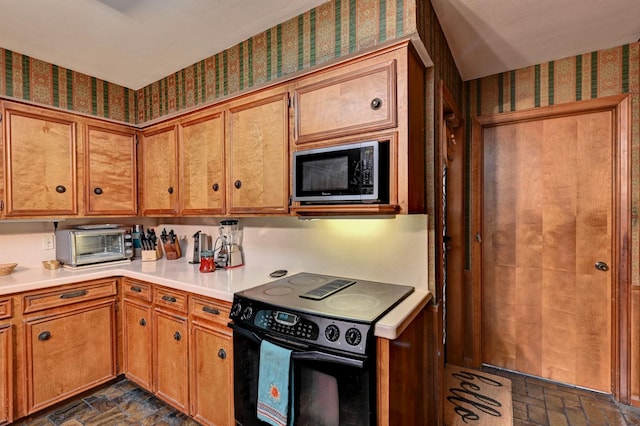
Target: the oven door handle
pixel 296 354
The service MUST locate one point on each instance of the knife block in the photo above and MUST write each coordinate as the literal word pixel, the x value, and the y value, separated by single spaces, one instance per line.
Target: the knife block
pixel 172 250
pixel 152 255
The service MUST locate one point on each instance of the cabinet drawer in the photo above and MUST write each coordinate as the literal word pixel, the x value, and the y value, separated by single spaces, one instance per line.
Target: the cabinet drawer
pixel 67 295
pixel 5 308
pixel 170 298
pixel 209 309
pixel 137 289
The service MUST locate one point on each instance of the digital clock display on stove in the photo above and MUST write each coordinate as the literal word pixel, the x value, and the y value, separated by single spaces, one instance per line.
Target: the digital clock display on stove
pixel 286 318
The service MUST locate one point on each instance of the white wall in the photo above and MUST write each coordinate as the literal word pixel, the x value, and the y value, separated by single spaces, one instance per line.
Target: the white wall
pixel 390 250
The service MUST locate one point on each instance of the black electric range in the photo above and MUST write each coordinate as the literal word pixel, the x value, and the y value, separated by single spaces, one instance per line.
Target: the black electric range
pixel 327 312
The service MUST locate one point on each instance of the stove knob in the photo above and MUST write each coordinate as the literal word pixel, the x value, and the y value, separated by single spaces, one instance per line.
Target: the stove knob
pixel 353 336
pixel 247 313
pixel 235 310
pixel 332 333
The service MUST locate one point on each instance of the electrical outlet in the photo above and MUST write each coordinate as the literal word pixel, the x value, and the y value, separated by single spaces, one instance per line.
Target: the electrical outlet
pixel 48 242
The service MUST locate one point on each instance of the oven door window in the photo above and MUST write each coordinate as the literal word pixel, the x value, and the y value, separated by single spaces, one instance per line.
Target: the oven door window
pixel 329 394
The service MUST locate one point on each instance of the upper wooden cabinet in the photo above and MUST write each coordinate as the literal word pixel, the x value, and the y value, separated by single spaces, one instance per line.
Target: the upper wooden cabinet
pixel 40 162
pixel 159 170
pixel 110 164
pixel 352 99
pixel 258 153
pixel 201 141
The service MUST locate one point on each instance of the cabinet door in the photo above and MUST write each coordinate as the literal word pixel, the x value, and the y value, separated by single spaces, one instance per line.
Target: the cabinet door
pixel 350 100
pixel 68 353
pixel 159 168
pixel 211 369
pixel 171 361
pixel 6 377
pixel 259 155
pixel 137 355
pixel 40 160
pixel 110 176
pixel 202 165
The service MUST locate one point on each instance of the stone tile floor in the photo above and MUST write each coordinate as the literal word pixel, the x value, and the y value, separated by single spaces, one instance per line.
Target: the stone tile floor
pixel 535 402
pixel 122 403
pixel 539 402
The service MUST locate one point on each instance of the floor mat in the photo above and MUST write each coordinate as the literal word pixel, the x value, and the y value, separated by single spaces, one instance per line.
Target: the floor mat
pixel 476 398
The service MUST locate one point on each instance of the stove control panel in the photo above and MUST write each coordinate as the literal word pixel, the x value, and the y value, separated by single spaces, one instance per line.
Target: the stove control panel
pixel 325 332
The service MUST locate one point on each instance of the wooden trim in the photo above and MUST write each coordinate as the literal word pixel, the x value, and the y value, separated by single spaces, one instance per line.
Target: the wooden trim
pixel 619 105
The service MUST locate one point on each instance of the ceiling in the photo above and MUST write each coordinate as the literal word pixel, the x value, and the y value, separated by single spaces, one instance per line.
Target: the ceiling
pixel 136 42
pixel 492 36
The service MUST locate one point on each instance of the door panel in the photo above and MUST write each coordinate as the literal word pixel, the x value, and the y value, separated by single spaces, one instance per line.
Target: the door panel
pixel 547 219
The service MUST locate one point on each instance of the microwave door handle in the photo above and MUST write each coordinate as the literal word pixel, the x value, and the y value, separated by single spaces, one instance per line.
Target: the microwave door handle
pixel 302 355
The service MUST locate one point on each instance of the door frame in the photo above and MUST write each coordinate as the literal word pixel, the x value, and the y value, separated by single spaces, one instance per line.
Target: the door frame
pixel 619 105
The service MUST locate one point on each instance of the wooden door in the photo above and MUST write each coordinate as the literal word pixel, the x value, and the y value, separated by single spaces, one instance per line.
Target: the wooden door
pixel 69 352
pixel 137 356
pixel 159 168
pixel 40 162
pixel 258 152
pixel 110 161
pixel 171 360
pixel 6 371
pixel 547 220
pixel 212 368
pixel 202 165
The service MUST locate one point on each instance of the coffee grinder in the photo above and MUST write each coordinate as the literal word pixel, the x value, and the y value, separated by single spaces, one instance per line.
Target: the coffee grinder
pixel 230 255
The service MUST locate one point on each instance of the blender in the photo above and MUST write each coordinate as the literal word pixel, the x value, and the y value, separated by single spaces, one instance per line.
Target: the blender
pixel 230 255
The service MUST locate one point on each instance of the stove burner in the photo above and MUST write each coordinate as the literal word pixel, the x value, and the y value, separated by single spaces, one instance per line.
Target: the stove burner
pixel 352 302
pixel 308 279
pixel 278 291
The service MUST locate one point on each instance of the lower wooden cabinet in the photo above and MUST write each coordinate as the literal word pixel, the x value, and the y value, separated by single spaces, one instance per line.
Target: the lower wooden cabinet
pixel 69 352
pixel 171 358
pixel 6 374
pixel 137 342
pixel 211 375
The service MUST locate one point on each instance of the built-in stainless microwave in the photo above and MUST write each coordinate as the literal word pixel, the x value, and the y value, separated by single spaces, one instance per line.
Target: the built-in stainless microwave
pixel 77 247
pixel 342 174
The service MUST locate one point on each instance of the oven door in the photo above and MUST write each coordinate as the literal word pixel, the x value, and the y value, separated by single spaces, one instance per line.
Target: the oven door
pixel 328 390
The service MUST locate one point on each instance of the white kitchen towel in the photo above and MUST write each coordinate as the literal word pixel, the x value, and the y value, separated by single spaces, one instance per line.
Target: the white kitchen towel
pixel 273 384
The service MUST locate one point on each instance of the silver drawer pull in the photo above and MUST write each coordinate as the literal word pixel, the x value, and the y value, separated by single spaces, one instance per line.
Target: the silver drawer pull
pixel 210 310
pixel 74 294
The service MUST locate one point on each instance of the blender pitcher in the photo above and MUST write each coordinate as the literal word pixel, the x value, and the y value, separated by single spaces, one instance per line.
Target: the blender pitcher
pixel 230 255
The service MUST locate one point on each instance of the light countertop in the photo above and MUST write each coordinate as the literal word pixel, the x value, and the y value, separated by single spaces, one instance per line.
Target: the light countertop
pixel 181 275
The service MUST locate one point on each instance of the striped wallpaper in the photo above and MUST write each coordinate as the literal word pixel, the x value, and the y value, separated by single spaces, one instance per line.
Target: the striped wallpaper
pixel 592 75
pixel 334 29
pixel 30 79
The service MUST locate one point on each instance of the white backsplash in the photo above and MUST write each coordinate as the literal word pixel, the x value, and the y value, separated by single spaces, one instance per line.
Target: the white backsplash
pixel 389 250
